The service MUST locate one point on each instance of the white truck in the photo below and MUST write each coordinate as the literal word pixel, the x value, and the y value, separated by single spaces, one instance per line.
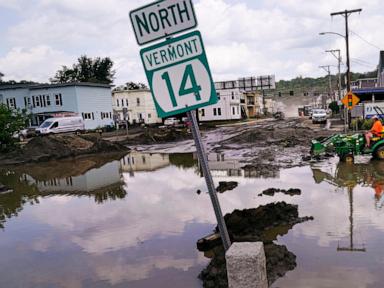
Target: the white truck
pixel 61 125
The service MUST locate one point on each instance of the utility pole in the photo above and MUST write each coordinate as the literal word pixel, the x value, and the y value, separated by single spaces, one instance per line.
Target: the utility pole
pixel 327 69
pixel 346 14
pixel 339 60
pixel 338 57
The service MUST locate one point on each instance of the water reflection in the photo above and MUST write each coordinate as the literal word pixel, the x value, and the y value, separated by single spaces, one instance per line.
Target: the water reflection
pixel 222 167
pixel 350 176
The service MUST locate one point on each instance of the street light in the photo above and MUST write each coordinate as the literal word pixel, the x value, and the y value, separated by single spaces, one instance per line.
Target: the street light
pixel 323 33
pixel 348 79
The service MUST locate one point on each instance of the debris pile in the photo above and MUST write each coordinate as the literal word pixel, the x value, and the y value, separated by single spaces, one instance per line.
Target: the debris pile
pixel 40 149
pixel 264 224
pixel 226 186
pixel 273 191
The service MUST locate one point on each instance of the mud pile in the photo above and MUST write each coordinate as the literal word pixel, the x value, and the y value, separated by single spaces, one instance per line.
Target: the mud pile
pixel 226 186
pixel 264 224
pixel 273 191
pixel 284 134
pixel 41 149
pixel 151 135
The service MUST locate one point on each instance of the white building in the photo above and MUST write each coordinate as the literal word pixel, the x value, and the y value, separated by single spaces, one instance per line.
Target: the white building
pixel 138 106
pixel 90 100
pixel 228 106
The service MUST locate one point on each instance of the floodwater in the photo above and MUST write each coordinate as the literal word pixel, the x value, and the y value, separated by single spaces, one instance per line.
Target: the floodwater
pixel 134 222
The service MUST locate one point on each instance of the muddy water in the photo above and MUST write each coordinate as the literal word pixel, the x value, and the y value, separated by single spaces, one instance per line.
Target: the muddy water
pixel 134 222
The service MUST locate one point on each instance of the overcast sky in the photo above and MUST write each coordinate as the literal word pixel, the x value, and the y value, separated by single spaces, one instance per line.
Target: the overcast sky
pixel 242 37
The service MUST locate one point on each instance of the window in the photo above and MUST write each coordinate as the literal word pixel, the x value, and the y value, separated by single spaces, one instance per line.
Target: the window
pixel 233 111
pixel 48 100
pixel 25 102
pixel 93 116
pixel 44 101
pixel 11 103
pixel 126 102
pixel 149 115
pixel 238 110
pixel 219 111
pixel 214 112
pixel 203 112
pixel 233 95
pixel 110 115
pixel 41 100
pixel 138 101
pixel 37 101
pixel 34 102
pixel 59 100
pixel 55 125
pixel 122 102
pixel 117 102
pixel 218 95
pixel 87 116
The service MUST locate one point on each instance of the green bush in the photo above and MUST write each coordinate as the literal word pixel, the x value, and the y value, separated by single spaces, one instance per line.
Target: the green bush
pixel 11 122
pixel 362 124
pixel 334 107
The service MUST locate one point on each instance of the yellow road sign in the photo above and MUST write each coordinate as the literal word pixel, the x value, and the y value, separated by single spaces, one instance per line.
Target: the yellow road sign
pixel 350 100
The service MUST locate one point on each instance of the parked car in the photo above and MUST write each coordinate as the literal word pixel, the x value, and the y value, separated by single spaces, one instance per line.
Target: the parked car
pixel 319 116
pixel 61 125
pixel 25 133
pixel 172 121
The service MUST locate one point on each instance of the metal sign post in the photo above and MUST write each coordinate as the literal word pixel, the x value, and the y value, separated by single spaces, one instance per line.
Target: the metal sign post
pixel 208 179
pixel 178 73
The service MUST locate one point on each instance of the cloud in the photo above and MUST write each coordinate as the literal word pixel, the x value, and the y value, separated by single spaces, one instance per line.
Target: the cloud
pixel 242 38
pixel 34 64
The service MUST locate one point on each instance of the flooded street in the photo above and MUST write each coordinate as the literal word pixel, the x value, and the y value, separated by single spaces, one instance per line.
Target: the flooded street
pixel 134 221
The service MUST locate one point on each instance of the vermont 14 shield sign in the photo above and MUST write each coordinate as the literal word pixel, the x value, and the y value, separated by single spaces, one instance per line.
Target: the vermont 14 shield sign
pixel 178 75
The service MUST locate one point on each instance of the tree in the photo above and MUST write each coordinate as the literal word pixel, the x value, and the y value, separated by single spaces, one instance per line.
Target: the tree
pixel 131 86
pixel 334 107
pixel 97 70
pixel 11 121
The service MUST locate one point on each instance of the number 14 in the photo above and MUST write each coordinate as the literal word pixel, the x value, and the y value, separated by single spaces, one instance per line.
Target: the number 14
pixel 188 74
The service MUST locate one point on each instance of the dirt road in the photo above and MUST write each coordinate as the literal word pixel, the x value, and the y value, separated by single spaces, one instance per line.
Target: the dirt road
pixel 264 142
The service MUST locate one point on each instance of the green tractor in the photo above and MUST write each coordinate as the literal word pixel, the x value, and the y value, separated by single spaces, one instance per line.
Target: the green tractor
pixel 348 146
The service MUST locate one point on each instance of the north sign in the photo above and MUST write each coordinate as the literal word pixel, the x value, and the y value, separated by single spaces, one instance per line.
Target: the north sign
pixel 178 75
pixel 162 19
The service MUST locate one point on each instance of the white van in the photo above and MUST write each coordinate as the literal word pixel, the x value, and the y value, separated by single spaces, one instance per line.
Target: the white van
pixel 61 125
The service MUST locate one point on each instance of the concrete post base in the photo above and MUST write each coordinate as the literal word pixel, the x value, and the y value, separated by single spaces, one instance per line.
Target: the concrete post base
pixel 246 265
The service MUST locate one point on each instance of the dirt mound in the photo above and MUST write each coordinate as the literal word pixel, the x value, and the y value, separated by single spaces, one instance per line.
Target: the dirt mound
pixel 149 135
pixel 273 191
pixel 278 261
pixel 40 149
pixel 264 224
pixel 226 186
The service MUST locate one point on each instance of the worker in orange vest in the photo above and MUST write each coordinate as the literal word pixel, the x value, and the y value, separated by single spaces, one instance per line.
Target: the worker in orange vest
pixel 376 131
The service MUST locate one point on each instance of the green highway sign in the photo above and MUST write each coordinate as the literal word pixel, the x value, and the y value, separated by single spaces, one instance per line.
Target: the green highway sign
pixel 178 75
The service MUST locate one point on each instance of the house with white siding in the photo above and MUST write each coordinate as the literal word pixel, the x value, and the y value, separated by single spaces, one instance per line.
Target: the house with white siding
pixel 228 106
pixel 92 101
pixel 134 106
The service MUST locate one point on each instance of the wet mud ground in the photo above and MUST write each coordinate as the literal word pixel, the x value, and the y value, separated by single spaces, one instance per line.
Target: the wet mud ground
pixel 263 145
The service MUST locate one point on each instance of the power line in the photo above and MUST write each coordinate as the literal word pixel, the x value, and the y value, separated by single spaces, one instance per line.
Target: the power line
pixel 363 61
pixel 366 41
pixel 361 64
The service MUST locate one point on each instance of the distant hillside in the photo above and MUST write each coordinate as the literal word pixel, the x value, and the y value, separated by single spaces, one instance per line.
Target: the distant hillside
pixel 301 85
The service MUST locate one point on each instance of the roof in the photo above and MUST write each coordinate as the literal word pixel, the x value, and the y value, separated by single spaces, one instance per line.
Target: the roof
pixel 58 85
pixel 131 91
pixel 368 90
